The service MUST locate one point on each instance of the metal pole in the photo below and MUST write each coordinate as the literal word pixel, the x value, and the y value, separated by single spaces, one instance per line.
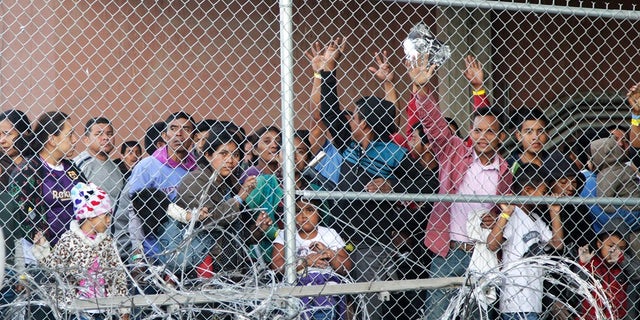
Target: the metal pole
pixel 465 198
pixel 286 71
pixel 537 8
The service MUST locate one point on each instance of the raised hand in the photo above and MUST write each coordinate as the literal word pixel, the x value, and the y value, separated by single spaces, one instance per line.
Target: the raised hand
pixel 247 187
pixel 333 53
pixel 316 57
pixel 633 96
pixel 473 72
pixel 382 71
pixel 420 70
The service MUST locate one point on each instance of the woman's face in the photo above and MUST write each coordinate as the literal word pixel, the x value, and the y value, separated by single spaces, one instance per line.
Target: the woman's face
pixel 225 159
pixel 8 136
pixel 267 148
pixel 65 140
pixel 132 155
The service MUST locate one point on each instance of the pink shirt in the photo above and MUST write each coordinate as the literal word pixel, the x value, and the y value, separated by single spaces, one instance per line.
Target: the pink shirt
pixel 477 180
pixel 454 158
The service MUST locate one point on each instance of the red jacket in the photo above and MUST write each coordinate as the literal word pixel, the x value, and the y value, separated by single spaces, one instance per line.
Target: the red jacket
pixel 609 276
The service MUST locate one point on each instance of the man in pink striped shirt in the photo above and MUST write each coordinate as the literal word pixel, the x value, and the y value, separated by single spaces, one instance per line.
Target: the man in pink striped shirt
pixel 477 169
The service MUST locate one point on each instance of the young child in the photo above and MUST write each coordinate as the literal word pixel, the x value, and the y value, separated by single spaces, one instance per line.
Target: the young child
pixel 518 231
pixel 320 253
pixel 606 266
pixel 85 254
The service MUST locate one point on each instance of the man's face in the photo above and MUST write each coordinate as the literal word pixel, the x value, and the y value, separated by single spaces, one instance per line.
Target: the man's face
pixel 178 135
pixel 99 139
pixel 485 135
pixel 532 136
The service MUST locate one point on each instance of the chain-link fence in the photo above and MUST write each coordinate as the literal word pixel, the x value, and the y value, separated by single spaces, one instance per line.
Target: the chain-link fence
pixel 406 147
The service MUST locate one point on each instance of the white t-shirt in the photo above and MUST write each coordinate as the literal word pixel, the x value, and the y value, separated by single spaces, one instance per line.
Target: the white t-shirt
pixel 522 290
pixel 326 236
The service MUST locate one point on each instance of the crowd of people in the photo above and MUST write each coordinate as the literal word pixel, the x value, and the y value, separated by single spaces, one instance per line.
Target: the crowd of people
pixel 216 188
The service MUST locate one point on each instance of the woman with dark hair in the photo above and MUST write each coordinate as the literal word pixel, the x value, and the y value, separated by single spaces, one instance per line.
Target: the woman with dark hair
pixel 41 188
pixel 265 152
pixel 220 205
pixel 15 130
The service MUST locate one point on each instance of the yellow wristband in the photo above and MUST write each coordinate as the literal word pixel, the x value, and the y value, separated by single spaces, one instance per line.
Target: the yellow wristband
pixel 480 92
pixel 635 122
pixel 505 216
pixel 317 75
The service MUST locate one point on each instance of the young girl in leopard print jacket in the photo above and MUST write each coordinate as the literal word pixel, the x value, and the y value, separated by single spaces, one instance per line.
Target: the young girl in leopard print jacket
pixel 85 255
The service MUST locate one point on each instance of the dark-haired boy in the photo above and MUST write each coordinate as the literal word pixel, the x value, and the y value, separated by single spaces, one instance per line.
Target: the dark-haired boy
pixel 532 136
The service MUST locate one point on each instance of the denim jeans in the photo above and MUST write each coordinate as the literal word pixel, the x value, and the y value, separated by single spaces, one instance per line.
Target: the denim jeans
pixel 454 265
pixel 520 316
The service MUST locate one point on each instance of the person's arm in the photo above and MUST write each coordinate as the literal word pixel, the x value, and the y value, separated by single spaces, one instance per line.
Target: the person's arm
pixel 317 134
pixel 475 75
pixel 496 236
pixel 443 143
pixel 334 118
pixel 277 258
pixel 324 256
pixel 25 195
pixel 340 262
pixel 633 97
pixel 557 231
pixel 385 75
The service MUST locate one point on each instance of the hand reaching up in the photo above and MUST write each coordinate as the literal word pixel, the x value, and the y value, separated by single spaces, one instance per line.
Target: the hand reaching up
pixel 333 53
pixel 316 57
pixel 326 59
pixel 473 72
pixel 382 71
pixel 420 70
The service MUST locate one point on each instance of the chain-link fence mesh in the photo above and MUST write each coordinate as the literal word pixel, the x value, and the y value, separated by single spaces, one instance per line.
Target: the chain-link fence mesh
pixel 388 171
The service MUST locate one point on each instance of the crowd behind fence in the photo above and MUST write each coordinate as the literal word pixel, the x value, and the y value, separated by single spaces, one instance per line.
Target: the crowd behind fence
pixel 391 160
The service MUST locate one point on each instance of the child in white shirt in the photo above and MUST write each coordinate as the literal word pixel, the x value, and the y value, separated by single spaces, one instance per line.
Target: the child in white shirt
pixel 517 231
pixel 320 254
